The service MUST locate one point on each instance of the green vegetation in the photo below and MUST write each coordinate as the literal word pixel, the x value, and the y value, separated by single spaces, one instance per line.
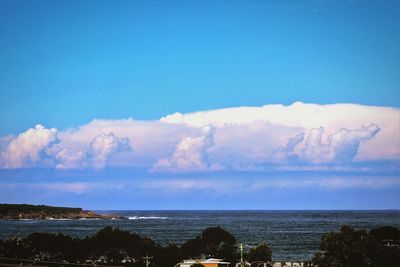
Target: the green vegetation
pixel 10 209
pixel 115 246
pixel 347 248
pixel 360 248
pixel 24 211
pixel 262 252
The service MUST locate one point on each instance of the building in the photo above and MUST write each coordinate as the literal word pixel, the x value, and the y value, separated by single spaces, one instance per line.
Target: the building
pixel 390 243
pixel 292 264
pixel 206 263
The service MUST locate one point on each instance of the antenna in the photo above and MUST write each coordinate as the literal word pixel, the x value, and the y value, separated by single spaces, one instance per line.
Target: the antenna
pixel 147 258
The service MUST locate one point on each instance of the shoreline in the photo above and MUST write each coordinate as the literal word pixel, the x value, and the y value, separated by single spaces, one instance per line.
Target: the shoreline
pixel 43 212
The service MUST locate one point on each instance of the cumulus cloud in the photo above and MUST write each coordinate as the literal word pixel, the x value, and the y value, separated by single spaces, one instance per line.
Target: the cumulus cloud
pixel 243 138
pixel 25 149
pixel 341 147
pixel 150 140
pixel 190 154
pixel 286 153
pixel 96 156
pixel 298 114
pixel 68 159
pixel 104 146
pixel 305 116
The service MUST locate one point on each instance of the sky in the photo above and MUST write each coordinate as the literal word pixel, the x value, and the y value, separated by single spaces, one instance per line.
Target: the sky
pixel 200 104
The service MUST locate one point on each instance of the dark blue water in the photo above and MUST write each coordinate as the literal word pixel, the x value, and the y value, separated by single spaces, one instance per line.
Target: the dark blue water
pixel 293 235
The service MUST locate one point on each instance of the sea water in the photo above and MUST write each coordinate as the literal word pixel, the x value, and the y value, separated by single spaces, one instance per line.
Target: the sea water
pixel 292 235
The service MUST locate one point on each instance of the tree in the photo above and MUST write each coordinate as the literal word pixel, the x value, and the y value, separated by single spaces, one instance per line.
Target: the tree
pixel 347 248
pixel 385 233
pixel 212 236
pixel 115 246
pixel 168 256
pixel 214 242
pixel 351 247
pixel 192 248
pixel 386 255
pixel 218 242
pixel 262 252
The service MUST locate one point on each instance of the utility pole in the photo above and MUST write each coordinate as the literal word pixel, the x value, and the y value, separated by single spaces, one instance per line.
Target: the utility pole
pixel 241 255
pixel 147 258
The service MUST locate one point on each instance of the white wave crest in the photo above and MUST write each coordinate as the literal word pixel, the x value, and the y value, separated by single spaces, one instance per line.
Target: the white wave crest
pixel 147 218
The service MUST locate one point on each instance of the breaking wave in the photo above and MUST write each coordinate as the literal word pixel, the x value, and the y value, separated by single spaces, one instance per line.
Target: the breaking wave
pixel 147 218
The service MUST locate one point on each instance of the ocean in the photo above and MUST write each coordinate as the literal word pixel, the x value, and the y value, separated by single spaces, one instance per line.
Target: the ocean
pixel 292 235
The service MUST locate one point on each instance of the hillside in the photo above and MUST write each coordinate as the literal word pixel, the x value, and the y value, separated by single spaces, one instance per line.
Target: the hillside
pixel 25 211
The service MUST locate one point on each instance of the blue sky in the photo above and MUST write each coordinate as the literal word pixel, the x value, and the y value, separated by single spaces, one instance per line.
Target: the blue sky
pixel 63 62
pixel 80 69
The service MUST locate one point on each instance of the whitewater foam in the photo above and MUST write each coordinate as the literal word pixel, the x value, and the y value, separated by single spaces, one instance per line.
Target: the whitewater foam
pixel 147 218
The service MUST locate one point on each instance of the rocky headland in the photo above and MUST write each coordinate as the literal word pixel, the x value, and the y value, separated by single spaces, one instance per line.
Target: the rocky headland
pixel 37 212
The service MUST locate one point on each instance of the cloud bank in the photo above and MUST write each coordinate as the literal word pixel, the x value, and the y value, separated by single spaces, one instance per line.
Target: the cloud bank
pixel 298 136
pixel 190 154
pixel 340 147
pixel 25 149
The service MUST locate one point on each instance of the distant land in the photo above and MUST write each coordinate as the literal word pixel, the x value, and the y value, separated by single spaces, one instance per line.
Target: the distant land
pixel 25 211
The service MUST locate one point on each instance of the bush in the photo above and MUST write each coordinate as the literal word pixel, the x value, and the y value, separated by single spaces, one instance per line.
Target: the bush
pixel 261 252
pixel 357 248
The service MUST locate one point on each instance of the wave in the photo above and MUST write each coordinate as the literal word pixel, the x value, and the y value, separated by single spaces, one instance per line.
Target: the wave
pixel 45 219
pixel 147 218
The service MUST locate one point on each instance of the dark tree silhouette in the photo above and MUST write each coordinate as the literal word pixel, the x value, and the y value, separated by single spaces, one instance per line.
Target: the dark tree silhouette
pixel 348 248
pixel 168 256
pixel 385 233
pixel 219 243
pixel 357 248
pixel 112 246
pixel 262 252
pixel 192 248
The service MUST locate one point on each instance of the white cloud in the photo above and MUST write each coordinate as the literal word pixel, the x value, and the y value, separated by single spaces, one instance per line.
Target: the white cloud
pixel 150 140
pixel 96 156
pixel 308 116
pixel 286 153
pixel 54 188
pixel 68 159
pixel 296 115
pixel 190 154
pixel 104 146
pixel 332 183
pixel 24 150
pixel 341 147
pixel 243 138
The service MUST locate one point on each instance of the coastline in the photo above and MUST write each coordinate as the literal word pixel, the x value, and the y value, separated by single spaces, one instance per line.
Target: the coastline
pixel 292 235
pixel 43 212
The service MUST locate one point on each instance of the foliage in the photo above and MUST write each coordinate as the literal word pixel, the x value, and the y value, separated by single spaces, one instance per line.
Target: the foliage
pixel 113 245
pixel 349 248
pixel 193 247
pixel 357 248
pixel 219 243
pixel 13 210
pixel 168 256
pixel 262 252
pixel 214 242
pixel 385 233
